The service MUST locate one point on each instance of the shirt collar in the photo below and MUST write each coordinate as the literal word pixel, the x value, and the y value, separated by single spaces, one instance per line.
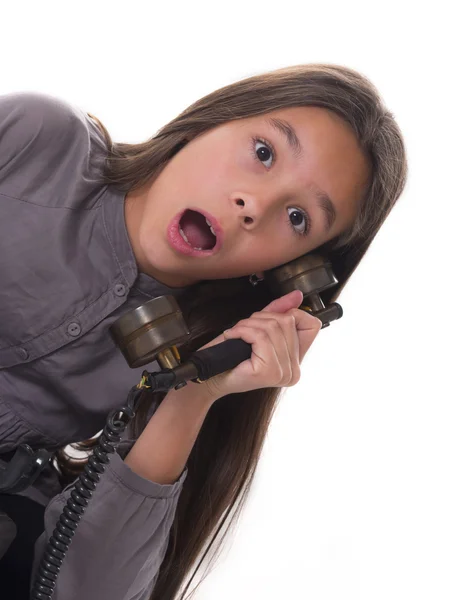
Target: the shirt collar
pixel 114 220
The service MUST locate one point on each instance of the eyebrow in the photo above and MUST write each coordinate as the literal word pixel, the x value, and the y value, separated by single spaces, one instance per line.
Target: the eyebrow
pixel 288 131
pixel 324 200
pixel 327 206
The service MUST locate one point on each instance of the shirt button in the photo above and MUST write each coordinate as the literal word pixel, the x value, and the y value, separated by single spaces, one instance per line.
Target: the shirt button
pixel 74 329
pixel 120 289
pixel 23 353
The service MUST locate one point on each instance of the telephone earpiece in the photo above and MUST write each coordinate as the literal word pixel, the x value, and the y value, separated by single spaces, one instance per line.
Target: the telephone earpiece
pixel 312 274
pixel 153 330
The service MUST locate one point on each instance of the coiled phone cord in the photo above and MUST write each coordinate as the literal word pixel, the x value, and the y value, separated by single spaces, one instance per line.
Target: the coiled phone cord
pixel 75 507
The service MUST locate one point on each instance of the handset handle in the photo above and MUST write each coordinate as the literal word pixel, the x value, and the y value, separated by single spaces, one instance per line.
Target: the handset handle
pixel 220 358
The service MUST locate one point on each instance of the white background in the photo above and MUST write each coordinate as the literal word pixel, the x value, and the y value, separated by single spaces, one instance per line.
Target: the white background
pixel 352 495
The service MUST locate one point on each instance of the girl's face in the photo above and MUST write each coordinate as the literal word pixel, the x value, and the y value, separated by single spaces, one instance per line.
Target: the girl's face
pixel 274 187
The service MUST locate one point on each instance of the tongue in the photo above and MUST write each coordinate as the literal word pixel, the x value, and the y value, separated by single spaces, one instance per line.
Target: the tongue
pixel 197 230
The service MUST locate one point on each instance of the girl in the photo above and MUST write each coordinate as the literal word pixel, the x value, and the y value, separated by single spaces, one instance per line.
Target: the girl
pixel 301 159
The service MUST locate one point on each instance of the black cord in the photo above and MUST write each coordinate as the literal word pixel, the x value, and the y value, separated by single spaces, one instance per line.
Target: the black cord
pixel 59 542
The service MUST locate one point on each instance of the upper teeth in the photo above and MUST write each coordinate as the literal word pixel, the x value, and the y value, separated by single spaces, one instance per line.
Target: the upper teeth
pixel 211 227
pixel 183 235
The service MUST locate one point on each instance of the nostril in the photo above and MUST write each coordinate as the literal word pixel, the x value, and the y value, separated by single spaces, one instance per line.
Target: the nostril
pixel 240 202
pixel 248 220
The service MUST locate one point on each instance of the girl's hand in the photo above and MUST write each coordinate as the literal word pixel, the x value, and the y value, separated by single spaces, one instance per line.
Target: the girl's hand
pixel 280 336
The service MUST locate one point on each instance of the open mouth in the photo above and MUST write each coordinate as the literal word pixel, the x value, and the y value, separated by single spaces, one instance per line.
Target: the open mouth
pixel 197 231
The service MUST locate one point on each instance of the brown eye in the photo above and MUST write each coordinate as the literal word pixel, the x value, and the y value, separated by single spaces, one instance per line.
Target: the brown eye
pixel 264 153
pixel 299 220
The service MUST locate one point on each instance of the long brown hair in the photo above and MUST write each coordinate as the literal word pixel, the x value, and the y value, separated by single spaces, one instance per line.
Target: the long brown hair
pixel 224 458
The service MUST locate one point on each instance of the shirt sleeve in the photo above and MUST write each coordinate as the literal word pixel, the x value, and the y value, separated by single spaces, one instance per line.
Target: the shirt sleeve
pixel 121 540
pixel 43 140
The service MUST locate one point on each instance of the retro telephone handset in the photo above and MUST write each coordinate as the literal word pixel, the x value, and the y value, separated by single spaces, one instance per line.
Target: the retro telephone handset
pixel 152 332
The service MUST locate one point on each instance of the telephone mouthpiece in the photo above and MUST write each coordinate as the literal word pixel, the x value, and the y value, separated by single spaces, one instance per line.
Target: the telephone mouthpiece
pixel 331 313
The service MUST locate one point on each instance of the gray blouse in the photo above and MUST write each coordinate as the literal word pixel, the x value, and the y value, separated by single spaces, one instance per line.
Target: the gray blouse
pixel 67 272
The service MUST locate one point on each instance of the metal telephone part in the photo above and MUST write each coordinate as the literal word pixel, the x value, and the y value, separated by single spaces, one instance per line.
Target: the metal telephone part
pixel 152 331
pixel 311 274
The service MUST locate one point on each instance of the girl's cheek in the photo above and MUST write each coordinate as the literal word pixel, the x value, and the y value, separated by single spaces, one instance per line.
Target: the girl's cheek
pixel 246 163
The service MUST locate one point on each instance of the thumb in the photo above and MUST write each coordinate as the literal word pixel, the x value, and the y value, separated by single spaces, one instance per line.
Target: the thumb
pixel 280 305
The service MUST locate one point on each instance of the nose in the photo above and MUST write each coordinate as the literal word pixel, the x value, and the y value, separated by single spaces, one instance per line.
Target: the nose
pixel 250 211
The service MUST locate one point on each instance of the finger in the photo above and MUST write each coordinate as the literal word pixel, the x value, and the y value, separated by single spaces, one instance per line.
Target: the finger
pixel 286 323
pixel 276 335
pixel 306 324
pixel 286 302
pixel 265 358
pixel 308 328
